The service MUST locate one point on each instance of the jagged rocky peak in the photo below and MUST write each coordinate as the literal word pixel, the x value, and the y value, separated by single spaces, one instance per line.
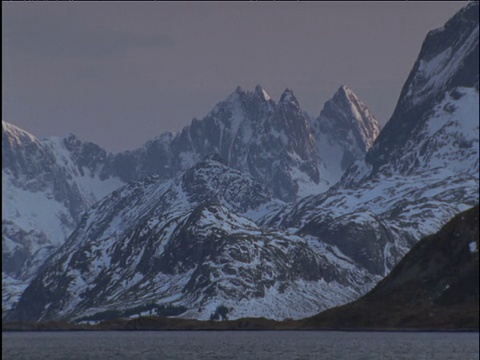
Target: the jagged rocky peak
pixel 447 58
pixel 23 154
pixel 293 119
pixel 12 134
pixel 288 98
pixel 240 93
pixel 344 92
pixel 244 98
pixel 343 132
pixel 86 154
pixel 346 112
pixel 254 104
pixel 260 92
pixel 236 94
pixel 15 139
pixel 438 105
pixel 254 135
pixel 347 97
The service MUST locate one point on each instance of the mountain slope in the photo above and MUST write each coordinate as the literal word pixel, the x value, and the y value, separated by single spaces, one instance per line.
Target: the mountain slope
pixel 272 142
pixel 200 242
pixel 423 166
pixel 434 287
pixel 46 186
pixel 186 243
pixel 433 100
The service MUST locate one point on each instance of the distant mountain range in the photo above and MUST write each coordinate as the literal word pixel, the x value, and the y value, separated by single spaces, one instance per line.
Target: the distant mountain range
pixel 48 184
pixel 256 210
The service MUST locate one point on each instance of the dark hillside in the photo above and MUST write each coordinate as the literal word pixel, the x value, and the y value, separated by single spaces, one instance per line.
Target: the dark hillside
pixel 436 286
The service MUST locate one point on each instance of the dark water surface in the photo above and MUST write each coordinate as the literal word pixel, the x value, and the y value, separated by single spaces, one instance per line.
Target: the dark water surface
pixel 238 345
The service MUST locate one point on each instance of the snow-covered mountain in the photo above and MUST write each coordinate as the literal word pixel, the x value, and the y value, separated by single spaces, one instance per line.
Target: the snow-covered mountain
pixel 435 122
pixel 201 237
pixel 46 187
pixel 278 144
pixel 344 132
pixel 191 243
pixel 49 183
pixel 423 167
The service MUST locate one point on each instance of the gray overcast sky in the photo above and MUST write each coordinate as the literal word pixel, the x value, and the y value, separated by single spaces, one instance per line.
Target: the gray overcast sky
pixel 121 73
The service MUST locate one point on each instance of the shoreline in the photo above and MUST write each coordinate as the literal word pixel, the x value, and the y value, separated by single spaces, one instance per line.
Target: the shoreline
pixel 166 324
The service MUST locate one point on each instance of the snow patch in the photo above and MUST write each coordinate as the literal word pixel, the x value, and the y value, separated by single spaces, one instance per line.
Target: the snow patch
pixel 473 247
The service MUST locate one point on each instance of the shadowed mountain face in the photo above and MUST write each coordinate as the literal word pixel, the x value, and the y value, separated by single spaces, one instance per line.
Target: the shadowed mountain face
pixel 436 286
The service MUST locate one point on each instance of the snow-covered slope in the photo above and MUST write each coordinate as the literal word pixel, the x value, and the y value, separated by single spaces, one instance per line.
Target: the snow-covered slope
pixel 46 186
pixel 423 167
pixel 440 95
pixel 189 243
pixel 213 238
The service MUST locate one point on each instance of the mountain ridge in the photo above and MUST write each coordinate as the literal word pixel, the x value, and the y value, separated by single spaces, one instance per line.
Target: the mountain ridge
pixel 182 241
pixel 67 175
pixel 166 242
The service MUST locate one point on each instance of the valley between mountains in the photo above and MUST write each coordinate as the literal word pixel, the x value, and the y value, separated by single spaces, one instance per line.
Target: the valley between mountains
pixel 259 209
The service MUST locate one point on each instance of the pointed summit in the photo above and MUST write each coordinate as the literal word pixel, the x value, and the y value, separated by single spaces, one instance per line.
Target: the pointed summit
pixel 261 93
pixel 344 88
pixel 345 112
pixel 345 126
pixel 346 95
pixel 235 94
pixel 239 90
pixel 288 98
pixel 14 134
pixel 21 150
pixel 446 67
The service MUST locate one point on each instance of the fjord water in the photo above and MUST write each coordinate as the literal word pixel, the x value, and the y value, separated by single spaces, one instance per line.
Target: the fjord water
pixel 239 345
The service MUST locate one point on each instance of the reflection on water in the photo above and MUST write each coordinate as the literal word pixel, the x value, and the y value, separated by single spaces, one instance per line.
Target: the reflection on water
pixel 238 345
